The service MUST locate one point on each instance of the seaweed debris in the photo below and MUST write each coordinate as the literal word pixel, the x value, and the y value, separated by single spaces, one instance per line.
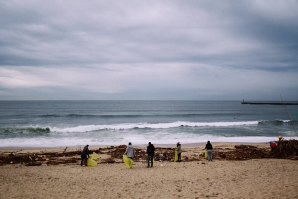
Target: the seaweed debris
pixel 242 152
pixel 286 149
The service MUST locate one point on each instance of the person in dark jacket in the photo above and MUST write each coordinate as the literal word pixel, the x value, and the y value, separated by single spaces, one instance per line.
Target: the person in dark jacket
pixel 150 152
pixel 85 155
pixel 209 150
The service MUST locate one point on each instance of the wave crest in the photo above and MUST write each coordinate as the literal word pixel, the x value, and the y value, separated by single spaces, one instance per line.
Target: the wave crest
pixel 89 128
pixel 35 130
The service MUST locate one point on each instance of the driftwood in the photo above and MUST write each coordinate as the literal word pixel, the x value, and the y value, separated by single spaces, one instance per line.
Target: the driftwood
pixel 245 147
pixel 64 150
pixel 33 164
pixel 110 160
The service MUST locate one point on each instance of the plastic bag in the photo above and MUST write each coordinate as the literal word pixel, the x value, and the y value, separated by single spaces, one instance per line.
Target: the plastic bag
pixel 176 156
pixel 95 156
pixel 127 161
pixel 91 163
pixel 206 154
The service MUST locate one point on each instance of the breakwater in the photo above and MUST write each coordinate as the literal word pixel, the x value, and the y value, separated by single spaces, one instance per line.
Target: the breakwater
pixel 270 103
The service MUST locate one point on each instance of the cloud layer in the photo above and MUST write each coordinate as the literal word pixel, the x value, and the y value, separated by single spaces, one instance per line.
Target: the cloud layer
pixel 194 50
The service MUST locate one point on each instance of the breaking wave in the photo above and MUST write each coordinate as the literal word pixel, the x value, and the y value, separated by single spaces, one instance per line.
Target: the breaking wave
pixel 88 128
pixel 28 130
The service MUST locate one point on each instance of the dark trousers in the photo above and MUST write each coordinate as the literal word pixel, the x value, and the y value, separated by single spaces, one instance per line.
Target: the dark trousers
pixel 150 158
pixel 179 157
pixel 84 157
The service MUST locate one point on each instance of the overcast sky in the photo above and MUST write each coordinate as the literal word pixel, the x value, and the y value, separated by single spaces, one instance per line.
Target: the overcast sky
pixel 138 50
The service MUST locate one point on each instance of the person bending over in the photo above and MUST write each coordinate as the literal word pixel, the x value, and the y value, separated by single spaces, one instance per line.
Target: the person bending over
pixel 85 155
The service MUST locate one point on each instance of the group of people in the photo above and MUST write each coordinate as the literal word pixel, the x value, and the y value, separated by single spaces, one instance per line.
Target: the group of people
pixel 130 152
pixel 208 148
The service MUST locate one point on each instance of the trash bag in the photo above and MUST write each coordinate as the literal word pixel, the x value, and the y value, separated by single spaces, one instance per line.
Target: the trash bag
pixel 176 156
pixel 91 163
pixel 127 161
pixel 95 156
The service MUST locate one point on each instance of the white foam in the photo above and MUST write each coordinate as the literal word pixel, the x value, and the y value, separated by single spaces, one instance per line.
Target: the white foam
pixel 118 134
pixel 89 128
pixel 136 140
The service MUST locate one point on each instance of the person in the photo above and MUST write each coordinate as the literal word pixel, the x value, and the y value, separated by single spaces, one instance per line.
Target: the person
pixel 179 151
pixel 150 152
pixel 130 151
pixel 85 155
pixel 273 146
pixel 209 150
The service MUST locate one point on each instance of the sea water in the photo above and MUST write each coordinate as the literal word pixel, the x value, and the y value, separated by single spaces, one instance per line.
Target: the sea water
pixel 73 123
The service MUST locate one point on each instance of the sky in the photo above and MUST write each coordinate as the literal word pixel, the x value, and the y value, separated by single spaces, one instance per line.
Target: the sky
pixel 149 50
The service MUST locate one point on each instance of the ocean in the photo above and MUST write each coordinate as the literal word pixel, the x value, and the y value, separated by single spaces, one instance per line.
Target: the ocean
pixel 77 123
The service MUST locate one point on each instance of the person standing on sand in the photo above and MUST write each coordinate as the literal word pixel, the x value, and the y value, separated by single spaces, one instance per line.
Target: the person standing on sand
pixel 179 151
pixel 130 151
pixel 209 150
pixel 85 155
pixel 150 152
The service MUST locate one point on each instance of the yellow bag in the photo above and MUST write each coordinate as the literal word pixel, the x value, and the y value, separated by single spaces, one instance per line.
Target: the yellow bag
pixel 127 161
pixel 91 163
pixel 206 154
pixel 176 156
pixel 95 156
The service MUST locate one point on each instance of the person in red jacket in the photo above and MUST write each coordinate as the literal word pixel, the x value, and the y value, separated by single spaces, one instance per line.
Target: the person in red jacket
pixel 273 146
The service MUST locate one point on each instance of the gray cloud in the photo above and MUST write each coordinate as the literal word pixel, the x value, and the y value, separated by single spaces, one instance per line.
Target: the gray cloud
pixel 148 50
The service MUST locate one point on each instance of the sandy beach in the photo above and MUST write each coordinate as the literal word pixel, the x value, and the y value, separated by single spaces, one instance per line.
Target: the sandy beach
pixel 253 178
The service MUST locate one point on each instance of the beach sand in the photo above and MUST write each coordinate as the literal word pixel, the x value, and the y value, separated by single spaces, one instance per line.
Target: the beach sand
pixel 255 178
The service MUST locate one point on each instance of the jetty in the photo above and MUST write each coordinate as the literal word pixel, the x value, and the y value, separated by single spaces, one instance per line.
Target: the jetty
pixel 270 103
